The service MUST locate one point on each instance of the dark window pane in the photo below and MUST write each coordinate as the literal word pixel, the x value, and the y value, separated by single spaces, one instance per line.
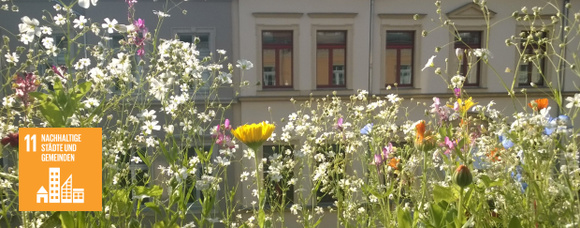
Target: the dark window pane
pixel 331 37
pixel 277 37
pixel 400 38
pixel 470 37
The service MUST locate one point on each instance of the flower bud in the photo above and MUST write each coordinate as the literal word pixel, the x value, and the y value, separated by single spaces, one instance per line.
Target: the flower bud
pixel 462 176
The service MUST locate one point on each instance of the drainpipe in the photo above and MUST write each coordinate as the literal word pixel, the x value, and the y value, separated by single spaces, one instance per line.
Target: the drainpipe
pixel 562 65
pixel 371 29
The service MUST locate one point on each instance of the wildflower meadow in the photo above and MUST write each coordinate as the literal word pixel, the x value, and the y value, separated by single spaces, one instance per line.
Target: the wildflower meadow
pixel 357 159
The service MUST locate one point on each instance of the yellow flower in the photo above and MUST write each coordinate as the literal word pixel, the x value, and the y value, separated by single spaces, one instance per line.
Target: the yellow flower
pixel 253 135
pixel 464 106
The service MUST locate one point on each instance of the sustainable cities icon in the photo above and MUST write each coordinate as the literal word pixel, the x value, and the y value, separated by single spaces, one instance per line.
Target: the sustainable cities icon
pixel 60 169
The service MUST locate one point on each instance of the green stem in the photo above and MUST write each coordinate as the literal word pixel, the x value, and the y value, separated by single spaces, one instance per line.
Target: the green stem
pixel 459 222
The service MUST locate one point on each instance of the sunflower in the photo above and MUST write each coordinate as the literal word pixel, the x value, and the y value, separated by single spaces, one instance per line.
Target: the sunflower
pixel 253 135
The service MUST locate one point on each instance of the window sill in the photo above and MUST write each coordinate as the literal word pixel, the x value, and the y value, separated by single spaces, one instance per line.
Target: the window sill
pixel 401 90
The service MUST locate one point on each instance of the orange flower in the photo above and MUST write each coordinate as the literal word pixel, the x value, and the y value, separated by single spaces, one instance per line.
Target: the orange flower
pixel 539 104
pixel 494 155
pixel 420 128
pixel 394 163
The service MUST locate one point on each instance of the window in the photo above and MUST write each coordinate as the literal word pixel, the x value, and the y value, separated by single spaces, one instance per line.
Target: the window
pixel 531 69
pixel 399 58
pixel 469 41
pixel 202 42
pixel 276 175
pixel 277 59
pixel 330 59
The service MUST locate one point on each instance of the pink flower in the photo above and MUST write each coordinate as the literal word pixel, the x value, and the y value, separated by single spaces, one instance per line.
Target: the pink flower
pixel 227 125
pixel 387 150
pixel 338 125
pixel 449 145
pixel 24 84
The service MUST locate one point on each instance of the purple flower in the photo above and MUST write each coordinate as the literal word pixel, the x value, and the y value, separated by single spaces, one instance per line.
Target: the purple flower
pixel 387 150
pixel 457 92
pixel 338 125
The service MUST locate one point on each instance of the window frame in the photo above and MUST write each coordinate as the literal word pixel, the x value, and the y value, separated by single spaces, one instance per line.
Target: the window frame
pixel 277 48
pixel 331 48
pixel 398 48
pixel 528 49
pixel 469 47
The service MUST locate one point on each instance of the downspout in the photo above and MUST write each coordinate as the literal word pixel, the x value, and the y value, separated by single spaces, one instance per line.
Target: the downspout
pixel 371 29
pixel 562 65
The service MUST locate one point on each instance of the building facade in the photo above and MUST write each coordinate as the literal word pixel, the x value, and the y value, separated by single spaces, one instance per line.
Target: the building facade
pixel 304 48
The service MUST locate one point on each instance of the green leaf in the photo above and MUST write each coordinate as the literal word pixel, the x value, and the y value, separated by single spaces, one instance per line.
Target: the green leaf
pixel 441 193
pixel 153 206
pixel 403 218
pixel 39 95
pixel 154 191
pixel 83 89
pixel 52 114
pixel 52 221
pixel 67 221
pixel 144 158
pixel 515 223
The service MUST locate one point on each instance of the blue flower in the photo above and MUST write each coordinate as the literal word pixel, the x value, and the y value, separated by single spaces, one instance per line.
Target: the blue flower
pixel 562 123
pixel 367 129
pixel 518 177
pixel 505 142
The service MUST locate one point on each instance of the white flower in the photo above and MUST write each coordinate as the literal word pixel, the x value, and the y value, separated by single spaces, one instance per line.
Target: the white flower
pixel 48 42
pixel 295 208
pixel 80 22
pixel 457 81
pixel 59 19
pixel 82 63
pixel 161 14
pixel 8 101
pixel 150 142
pixel 148 115
pixel 46 30
pixel 85 3
pixel 25 39
pixel 222 161
pixel 429 63
pixel 91 102
pixel 482 53
pixel 136 160
pixel 150 125
pixel 29 26
pixel 459 53
pixel 573 101
pixel 109 25
pixel 57 7
pixel 169 129
pixel 244 64
pixel 221 51
pixel 12 58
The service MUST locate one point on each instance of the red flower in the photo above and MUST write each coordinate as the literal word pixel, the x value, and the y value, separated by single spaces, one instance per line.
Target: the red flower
pixel 11 139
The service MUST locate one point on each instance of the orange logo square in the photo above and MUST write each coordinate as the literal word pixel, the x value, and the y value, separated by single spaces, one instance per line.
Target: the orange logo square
pixel 60 169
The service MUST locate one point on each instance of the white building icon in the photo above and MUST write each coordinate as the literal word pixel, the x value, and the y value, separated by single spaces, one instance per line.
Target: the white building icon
pixel 58 193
